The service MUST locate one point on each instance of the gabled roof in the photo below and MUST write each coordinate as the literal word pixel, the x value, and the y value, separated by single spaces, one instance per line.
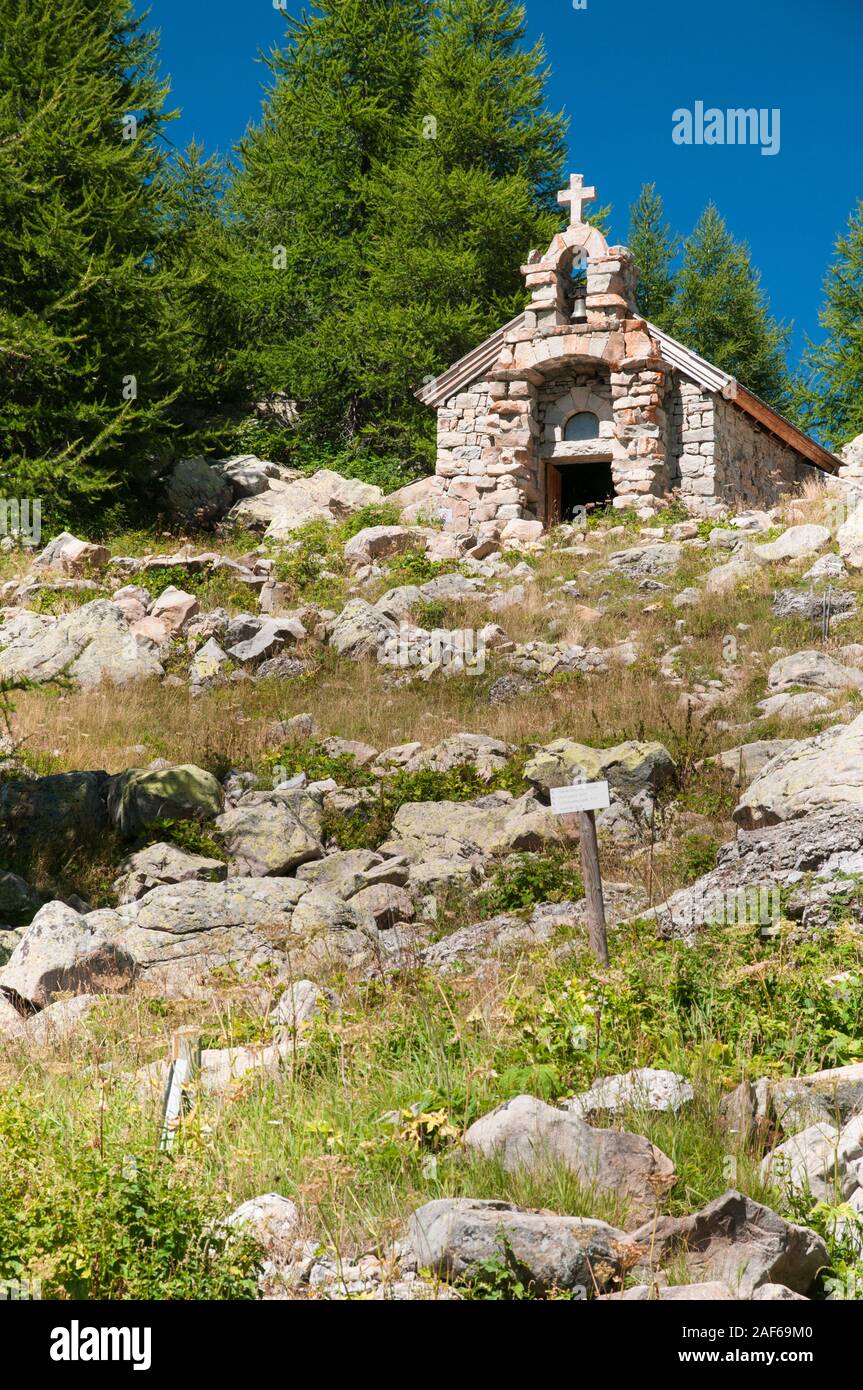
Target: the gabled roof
pixel 476 363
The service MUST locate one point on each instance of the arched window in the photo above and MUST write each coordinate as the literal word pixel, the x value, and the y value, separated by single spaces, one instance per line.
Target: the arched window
pixel 584 425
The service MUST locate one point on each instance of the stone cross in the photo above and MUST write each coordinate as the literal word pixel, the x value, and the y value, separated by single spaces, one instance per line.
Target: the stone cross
pixel 576 195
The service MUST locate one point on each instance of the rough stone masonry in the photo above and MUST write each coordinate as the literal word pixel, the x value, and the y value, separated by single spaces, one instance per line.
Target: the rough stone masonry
pixel 579 401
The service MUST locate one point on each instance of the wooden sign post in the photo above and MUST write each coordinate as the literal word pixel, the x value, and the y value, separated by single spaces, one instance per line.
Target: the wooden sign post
pixel 584 799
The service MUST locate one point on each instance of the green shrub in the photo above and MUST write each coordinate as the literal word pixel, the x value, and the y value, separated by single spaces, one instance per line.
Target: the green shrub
pixel 527 879
pixel 317 764
pixel 697 856
pixel 92 1221
pixel 413 566
pixel 377 514
pixel 188 835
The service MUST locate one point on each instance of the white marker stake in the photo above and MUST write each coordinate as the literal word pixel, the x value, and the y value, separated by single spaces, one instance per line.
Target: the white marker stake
pixel 584 798
pixel 184 1070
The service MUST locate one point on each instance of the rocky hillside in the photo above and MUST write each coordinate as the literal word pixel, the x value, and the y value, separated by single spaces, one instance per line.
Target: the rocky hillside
pixel 280 779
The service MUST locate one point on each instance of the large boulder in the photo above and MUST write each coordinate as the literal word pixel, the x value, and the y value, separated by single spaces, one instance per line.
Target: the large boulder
pixel 91 645
pixel 272 1220
pixel 163 863
pixel 810 1162
pixel 646 561
pixel 61 807
pixel 759 862
pixel 487 755
pixel 815 774
pixel 455 1236
pixel 724 579
pixel 643 1088
pixel 267 833
pixel 247 474
pixel 360 630
pixel 185 935
pixel 62 952
pixel 813 669
pixel 197 493
pixel 739 1242
pixel 451 829
pixel 379 543
pixel 140 796
pixel 69 555
pixel 262 637
pixel 424 500
pixel 174 608
pixel 286 506
pixel 527 1134
pixel 628 767
pixel 750 759
pixel 814 604
pixel 797 543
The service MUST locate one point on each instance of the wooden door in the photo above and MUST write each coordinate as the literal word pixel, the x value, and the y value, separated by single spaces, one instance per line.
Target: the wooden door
pixel 552 495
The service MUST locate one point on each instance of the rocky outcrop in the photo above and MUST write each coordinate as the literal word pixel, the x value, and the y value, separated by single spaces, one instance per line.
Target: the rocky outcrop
pixel 525 1133
pixel 740 1243
pixel 628 767
pixel 814 775
pixel 62 952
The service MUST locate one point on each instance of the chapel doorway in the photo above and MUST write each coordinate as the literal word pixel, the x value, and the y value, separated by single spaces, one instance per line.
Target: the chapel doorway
pixel 578 484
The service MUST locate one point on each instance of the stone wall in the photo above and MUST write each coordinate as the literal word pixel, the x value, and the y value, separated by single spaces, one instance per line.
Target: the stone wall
pixel 463 441
pixel 754 468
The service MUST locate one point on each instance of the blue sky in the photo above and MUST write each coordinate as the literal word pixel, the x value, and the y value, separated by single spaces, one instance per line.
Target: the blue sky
pixel 620 68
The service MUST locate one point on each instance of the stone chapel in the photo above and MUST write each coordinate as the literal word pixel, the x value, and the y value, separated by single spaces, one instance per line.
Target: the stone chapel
pixel 579 401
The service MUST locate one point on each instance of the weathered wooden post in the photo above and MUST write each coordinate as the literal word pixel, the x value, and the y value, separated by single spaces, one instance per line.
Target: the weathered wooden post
pixel 184 1069
pixel 584 798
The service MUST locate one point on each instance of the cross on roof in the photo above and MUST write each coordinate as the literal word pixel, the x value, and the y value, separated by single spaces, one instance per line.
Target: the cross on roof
pixel 576 195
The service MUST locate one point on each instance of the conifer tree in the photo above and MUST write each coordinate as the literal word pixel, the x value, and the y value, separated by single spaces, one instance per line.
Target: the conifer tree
pixel 654 246
pixel 404 167
pixel 831 401
pixel 472 189
pixel 88 361
pixel 721 311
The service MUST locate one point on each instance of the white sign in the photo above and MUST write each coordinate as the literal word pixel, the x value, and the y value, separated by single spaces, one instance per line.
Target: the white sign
pixel 584 796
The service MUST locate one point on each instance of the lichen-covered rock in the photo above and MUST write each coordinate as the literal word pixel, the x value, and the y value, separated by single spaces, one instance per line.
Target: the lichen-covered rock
pixel 813 775
pixel 360 630
pixel 628 767
pixel 451 830
pixel 161 863
pixel 267 833
pixel 92 645
pixel 62 952
pixel 140 796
